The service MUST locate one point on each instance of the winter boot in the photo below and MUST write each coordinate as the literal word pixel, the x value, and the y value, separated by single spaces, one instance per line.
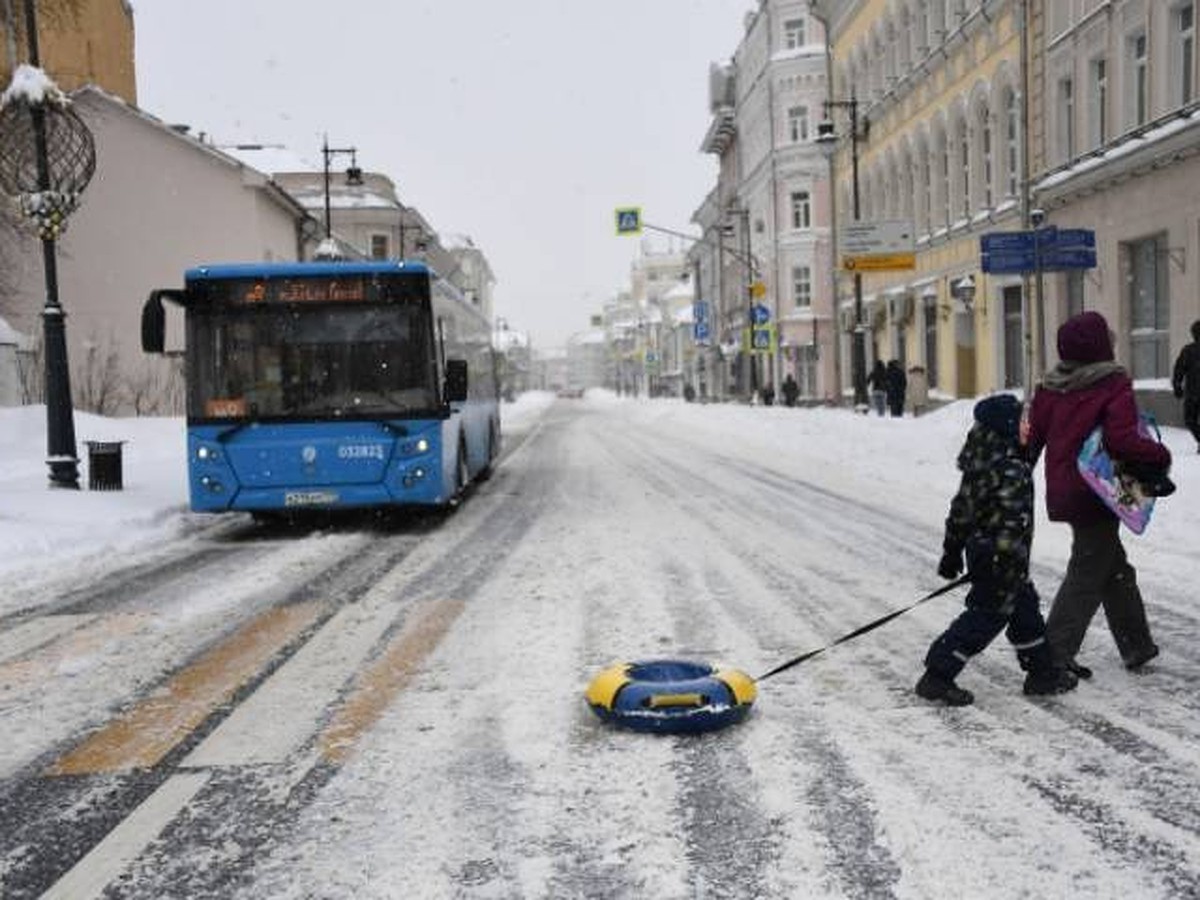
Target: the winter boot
pixel 933 686
pixel 1078 669
pixel 1050 681
pixel 1139 658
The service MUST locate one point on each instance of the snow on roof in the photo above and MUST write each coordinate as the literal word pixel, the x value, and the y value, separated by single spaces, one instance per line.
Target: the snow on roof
pixel 32 85
pixel 269 158
pixel 456 241
pixel 1122 148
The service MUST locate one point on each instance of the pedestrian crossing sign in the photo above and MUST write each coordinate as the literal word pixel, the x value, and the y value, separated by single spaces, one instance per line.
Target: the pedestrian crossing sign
pixel 629 220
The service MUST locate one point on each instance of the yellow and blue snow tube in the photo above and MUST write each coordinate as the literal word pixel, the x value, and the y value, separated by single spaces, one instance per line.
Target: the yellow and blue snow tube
pixel 671 696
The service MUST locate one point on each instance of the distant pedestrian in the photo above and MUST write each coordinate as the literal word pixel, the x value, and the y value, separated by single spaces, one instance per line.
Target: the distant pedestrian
pixel 918 390
pixel 1086 389
pixel 1186 382
pixel 991 520
pixel 689 392
pixel 877 383
pixel 897 384
pixel 791 391
pixel 768 394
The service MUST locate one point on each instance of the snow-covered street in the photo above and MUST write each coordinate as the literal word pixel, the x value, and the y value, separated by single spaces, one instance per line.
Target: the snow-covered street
pixel 198 707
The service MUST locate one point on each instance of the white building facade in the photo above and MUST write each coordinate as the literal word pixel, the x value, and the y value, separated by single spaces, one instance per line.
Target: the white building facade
pixel 768 215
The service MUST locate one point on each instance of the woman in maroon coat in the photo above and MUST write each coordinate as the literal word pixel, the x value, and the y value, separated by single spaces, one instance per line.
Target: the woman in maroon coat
pixel 1087 388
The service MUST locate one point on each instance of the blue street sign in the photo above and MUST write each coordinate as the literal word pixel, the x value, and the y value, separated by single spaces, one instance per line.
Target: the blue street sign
pixel 760 315
pixel 1074 258
pixel 1046 237
pixel 1006 242
pixel 700 311
pixel 1074 238
pixel 762 339
pixel 1008 263
pixel 700 331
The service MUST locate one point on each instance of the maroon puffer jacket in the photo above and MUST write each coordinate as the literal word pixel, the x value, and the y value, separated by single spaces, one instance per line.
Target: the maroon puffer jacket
pixel 1061 418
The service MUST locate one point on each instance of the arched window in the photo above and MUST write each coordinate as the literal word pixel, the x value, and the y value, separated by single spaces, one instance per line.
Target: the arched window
pixel 961 150
pixel 1012 136
pixel 983 127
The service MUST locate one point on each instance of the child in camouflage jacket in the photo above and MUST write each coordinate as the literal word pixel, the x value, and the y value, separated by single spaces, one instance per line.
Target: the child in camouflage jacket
pixel 991 521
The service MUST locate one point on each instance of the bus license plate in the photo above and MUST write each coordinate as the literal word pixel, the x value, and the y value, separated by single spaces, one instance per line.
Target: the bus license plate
pixel 309 498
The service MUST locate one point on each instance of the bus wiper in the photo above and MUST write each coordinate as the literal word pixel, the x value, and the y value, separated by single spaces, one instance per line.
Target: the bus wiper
pixel 225 435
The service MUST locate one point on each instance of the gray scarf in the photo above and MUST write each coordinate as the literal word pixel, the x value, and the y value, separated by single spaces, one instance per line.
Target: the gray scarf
pixel 1073 376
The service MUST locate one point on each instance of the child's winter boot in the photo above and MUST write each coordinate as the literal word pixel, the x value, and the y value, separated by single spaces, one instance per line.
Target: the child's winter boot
pixel 1050 681
pixel 933 686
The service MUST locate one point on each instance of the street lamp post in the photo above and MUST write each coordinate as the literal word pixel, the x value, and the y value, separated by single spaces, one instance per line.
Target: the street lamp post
pixel 354 175
pixel 47 158
pixel 827 138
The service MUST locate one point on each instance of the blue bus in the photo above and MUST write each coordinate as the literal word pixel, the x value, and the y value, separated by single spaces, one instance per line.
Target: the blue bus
pixel 331 385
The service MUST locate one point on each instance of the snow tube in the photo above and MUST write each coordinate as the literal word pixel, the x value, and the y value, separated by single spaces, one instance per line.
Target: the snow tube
pixel 671 696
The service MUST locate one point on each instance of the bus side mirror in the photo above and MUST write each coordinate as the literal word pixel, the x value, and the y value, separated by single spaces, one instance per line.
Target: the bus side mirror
pixel 154 319
pixel 456 380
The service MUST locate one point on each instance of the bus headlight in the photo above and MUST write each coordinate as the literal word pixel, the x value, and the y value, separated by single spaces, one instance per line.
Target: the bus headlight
pixel 205 453
pixel 415 448
pixel 413 476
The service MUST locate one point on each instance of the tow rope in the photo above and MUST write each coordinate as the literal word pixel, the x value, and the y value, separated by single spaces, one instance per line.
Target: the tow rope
pixel 871 626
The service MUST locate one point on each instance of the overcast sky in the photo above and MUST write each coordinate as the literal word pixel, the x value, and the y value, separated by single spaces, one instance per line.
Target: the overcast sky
pixel 522 123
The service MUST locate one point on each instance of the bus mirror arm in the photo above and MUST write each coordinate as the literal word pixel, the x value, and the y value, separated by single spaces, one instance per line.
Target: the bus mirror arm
pixel 154 319
pixel 456 380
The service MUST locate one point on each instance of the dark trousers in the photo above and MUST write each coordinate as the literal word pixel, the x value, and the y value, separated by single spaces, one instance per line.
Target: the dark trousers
pixel 1098 574
pixel 1191 415
pixel 979 625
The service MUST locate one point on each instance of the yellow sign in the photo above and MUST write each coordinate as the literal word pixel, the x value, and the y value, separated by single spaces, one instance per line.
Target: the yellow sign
pixel 879 262
pixel 758 289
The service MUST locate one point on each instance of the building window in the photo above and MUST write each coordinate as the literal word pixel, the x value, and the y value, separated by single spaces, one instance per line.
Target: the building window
pixel 1139 85
pixel 1149 306
pixel 964 160
pixel 985 155
pixel 1066 121
pixel 1183 57
pixel 1074 291
pixel 802 286
pixel 930 314
pixel 1099 116
pixel 798 124
pixel 793 33
pixel 801 210
pixel 1012 154
pixel 379 246
pixel 1014 357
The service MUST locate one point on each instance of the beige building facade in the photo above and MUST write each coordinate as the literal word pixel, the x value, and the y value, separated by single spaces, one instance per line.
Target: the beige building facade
pixel 80 42
pixel 937 85
pixel 1118 151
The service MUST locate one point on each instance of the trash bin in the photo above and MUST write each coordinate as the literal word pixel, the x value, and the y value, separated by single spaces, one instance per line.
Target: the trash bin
pixel 104 465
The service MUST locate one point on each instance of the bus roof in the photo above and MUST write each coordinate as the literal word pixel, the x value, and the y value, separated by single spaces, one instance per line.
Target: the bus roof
pixel 268 270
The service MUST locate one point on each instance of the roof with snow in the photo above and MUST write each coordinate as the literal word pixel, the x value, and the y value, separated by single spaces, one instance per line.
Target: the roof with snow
pixel 270 158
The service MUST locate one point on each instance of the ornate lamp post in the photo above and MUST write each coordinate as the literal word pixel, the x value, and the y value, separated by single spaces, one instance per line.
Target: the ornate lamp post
pixel 47 158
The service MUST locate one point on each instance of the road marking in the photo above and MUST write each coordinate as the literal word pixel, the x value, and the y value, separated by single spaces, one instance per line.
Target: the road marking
pixel 286 711
pixel 388 675
pixel 89 877
pixel 54 658
pixel 36 632
pixel 144 735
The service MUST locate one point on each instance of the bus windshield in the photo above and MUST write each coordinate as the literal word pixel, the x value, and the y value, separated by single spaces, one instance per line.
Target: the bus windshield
pixel 310 361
